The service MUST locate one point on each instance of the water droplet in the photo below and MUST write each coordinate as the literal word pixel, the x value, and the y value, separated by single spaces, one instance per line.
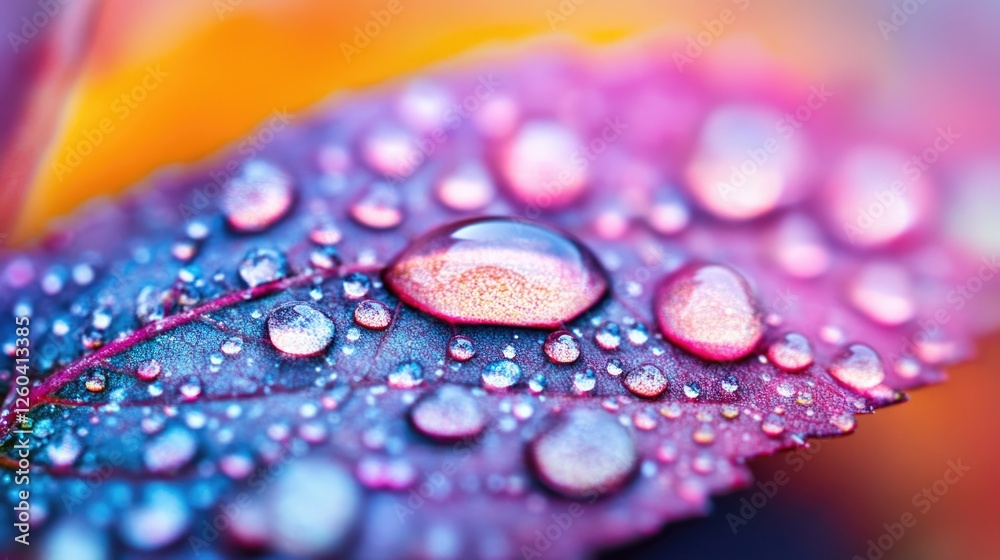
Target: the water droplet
pixel 170 450
pixel 725 176
pixel 644 420
pixel 844 422
pixel 587 453
pixel 608 336
pixel 380 207
pixel 299 328
pixel 406 375
pixel 149 370
pixel 710 311
pixel 730 411
pixel 324 258
pixel 538 383
pixel 615 367
pixel 261 266
pixel 562 347
pixel 791 353
pixel 884 292
pixel 692 390
pixel 646 381
pixel 858 367
pixel 498 271
pixel 373 314
pixel 64 450
pixel 449 413
pixel 191 388
pixel 584 381
pixel 467 188
pixel 325 233
pixel 232 346
pixel 95 382
pixel 730 384
pixel 461 349
pixel 538 169
pixel 773 425
pixel 501 374
pixel 392 151
pixel 257 198
pixel 638 334
pixel 863 209
pixel 312 506
pixel 356 285
pixel 703 434
pixel 161 518
pixel 669 214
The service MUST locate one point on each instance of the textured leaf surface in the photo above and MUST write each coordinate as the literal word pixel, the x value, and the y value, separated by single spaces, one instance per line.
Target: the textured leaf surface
pixel 159 401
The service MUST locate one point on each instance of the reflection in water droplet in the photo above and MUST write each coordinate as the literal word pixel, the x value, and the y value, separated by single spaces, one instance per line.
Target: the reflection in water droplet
pixel 646 381
pixel 791 353
pixel 257 198
pixel 883 291
pixel 562 347
pixel 373 314
pixel 461 349
pixel 498 271
pixel 710 311
pixel 299 328
pixel 538 166
pixel 449 413
pixel 406 375
pixel 501 374
pixel 858 367
pixel 587 453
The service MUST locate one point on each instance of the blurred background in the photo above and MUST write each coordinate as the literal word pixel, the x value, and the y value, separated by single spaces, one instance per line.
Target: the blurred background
pixel 214 69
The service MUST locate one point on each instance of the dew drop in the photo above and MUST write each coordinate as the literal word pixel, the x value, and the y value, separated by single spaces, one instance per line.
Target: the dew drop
pixel 858 367
pixel 299 328
pixel 373 314
pixel 584 381
pixel 883 292
pixel 587 453
pixel 170 450
pixel 356 285
pixel 615 367
pixel 391 150
pixel 149 370
pixel 647 381
pixel 406 375
pixel 799 248
pixel 325 234
pixel 669 214
pixel 710 311
pixel 461 349
pixel 730 384
pixel 692 390
pixel 157 521
pixel 703 434
pixel 501 374
pixel 64 450
pixel 538 383
pixel 791 353
pixel 232 346
pixel 638 334
pixel 466 188
pixel 95 382
pixel 608 336
pixel 562 347
pixel 539 155
pixel 191 388
pixel 380 207
pixel 449 413
pixel 773 425
pixel 498 271
pixel 257 198
pixel 844 422
pixel 261 266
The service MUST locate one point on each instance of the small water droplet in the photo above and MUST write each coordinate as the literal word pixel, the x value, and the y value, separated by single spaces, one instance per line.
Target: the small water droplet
pixel 498 271
pixel 449 413
pixel 170 450
pixel 325 233
pixel 299 328
pixel 703 434
pixel 562 347
pixel 257 198
pixel 95 382
pixel 232 346
pixel 773 425
pixel 669 213
pixel 884 292
pixel 537 165
pixel 710 311
pixel 191 388
pixel 638 334
pixel 730 384
pixel 587 453
pixel 373 314
pixel 380 207
pixel 692 390
pixel 791 353
pixel 64 450
pixel 261 266
pixel 356 285
pixel 501 374
pixel 466 188
pixel 149 370
pixel 730 411
pixel 461 349
pixel 608 336
pixel 538 383
pixel 584 381
pixel 615 367
pixel 859 367
pixel 406 375
pixel 646 381
pixel 799 247
pixel 844 422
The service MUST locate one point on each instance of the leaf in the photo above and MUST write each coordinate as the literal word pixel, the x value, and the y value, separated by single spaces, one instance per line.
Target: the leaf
pixel 202 378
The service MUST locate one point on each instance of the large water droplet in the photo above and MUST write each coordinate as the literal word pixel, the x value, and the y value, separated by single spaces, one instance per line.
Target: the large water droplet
pixel 859 367
pixel 791 352
pixel 538 166
pixel 257 198
pixel 449 413
pixel 562 347
pixel 710 311
pixel 261 266
pixel 498 271
pixel 501 374
pixel 646 381
pixel 299 328
pixel 587 453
